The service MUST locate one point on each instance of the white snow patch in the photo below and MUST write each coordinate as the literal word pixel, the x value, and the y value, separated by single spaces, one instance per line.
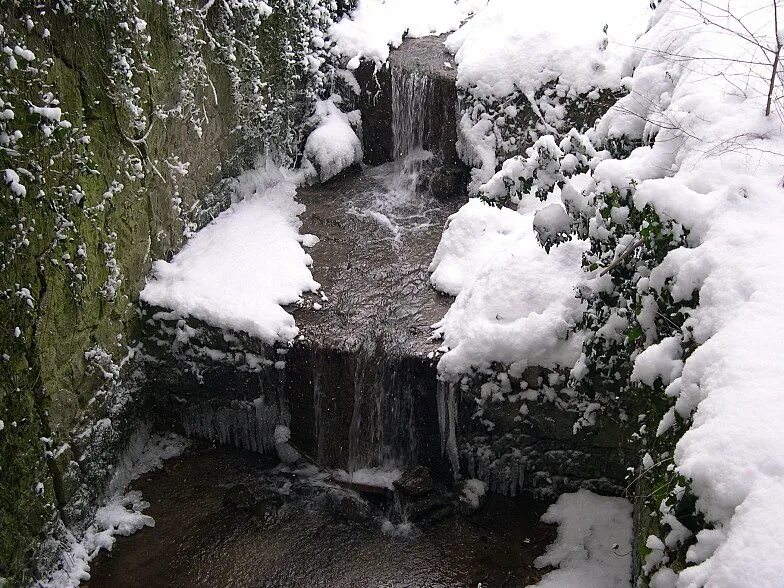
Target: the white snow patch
pixel 333 145
pixel 473 491
pixel 515 303
pixel 121 513
pixel 520 46
pixel 239 270
pixel 375 25
pixel 593 547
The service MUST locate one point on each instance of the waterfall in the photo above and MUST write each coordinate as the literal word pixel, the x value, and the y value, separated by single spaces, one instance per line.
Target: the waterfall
pixel 383 427
pixel 411 92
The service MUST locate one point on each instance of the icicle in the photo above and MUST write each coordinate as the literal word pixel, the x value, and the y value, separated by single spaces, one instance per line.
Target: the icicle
pixel 447 422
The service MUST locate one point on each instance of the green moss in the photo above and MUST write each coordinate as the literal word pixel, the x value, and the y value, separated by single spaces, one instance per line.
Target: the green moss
pixel 48 387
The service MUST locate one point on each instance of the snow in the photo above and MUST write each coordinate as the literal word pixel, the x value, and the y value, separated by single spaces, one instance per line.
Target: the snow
pixel 286 452
pixel 715 166
pixel 520 46
pixel 14 183
pixel 472 492
pixel 659 361
pixel 593 547
pixel 512 50
pixel 333 145
pixel 515 303
pixel 238 271
pixel 121 512
pixel 375 25
pixel 712 162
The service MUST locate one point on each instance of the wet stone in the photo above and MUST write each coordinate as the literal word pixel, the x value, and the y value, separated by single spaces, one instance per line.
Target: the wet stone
pixel 427 509
pixel 351 509
pixel 415 481
pixel 267 511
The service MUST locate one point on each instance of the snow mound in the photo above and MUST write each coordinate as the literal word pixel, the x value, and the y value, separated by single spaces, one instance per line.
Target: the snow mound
pixel 520 46
pixel 593 548
pixel 375 25
pixel 515 303
pixel 238 271
pixel 715 167
pixel 333 145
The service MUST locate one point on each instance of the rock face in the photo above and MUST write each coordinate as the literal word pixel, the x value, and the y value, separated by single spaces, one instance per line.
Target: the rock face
pixel 423 59
pixel 415 481
pixel 134 118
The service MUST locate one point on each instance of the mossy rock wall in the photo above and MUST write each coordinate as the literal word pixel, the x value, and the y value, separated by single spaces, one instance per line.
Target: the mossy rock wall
pixel 111 103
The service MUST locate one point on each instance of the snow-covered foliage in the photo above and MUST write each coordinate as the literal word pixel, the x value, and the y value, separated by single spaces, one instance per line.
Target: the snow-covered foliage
pixel 268 269
pixel 682 281
pixel 527 69
pixel 515 303
pixel 578 44
pixel 591 550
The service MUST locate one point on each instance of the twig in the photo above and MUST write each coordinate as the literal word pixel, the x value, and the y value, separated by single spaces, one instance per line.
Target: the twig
pixel 626 252
pixel 775 59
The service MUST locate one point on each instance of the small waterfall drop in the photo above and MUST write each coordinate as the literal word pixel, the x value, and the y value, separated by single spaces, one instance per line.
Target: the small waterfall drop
pixel 401 205
pixel 383 424
pixel 411 91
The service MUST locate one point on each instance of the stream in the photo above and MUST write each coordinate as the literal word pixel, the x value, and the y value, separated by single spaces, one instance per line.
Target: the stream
pixel 231 518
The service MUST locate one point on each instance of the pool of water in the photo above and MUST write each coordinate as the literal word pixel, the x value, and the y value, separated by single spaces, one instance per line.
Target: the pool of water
pixel 229 518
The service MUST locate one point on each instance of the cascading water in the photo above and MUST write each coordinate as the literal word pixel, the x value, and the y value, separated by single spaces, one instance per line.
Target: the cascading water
pixel 401 205
pixel 383 427
pixel 357 389
pixel 411 91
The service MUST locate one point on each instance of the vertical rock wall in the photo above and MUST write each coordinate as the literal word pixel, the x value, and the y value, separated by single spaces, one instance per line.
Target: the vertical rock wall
pixel 117 118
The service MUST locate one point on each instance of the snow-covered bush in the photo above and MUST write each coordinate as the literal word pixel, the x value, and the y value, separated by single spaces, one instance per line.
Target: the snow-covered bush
pixel 561 70
pixel 682 216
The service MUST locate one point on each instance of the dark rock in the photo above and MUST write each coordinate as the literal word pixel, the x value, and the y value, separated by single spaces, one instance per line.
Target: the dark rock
pixel 438 514
pixel 267 512
pixel 415 481
pixel 447 181
pixel 350 508
pixel 427 510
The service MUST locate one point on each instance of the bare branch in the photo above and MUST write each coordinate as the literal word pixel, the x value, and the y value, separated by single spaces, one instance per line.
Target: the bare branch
pixel 775 59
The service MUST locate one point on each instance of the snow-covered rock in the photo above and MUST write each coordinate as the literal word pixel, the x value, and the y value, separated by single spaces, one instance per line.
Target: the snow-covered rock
pixel 333 145
pixel 238 271
pixel 515 304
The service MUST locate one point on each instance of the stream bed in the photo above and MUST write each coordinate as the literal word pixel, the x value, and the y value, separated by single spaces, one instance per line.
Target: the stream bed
pixel 227 517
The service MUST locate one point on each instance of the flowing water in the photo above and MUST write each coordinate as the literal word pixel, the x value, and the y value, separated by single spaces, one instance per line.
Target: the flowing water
pixel 378 232
pixel 401 202
pixel 294 531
